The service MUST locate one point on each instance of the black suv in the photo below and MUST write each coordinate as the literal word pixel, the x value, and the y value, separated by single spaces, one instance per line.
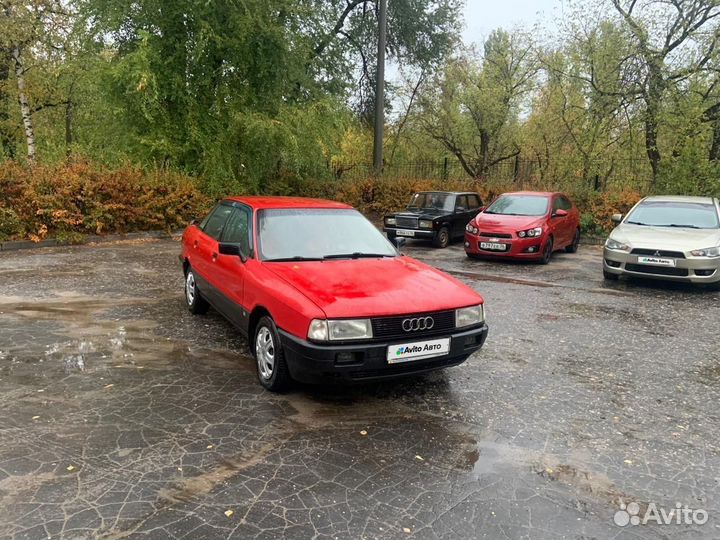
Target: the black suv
pixel 439 216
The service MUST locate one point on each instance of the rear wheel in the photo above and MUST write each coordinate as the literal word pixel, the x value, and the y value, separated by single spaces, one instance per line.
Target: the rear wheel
pixel 195 302
pixel 272 368
pixel 572 248
pixel 609 276
pixel 547 251
pixel 441 238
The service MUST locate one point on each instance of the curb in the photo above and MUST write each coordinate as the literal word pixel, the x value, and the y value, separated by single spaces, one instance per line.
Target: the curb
pixel 87 239
pixel 592 240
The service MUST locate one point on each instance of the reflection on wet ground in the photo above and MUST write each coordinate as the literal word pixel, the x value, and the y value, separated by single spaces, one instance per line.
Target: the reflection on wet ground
pixel 122 416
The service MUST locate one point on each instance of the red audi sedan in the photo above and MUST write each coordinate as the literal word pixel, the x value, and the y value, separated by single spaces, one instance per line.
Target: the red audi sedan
pixel 524 225
pixel 321 294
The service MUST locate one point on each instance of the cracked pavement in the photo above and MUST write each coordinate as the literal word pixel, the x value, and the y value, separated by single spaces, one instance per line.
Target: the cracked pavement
pixel 123 416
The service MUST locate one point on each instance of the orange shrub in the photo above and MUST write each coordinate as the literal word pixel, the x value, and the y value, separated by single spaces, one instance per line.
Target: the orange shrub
pixel 72 198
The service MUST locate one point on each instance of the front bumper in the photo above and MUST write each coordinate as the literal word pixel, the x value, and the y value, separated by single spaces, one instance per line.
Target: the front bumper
pixel 693 270
pixel 520 248
pixel 401 232
pixel 310 362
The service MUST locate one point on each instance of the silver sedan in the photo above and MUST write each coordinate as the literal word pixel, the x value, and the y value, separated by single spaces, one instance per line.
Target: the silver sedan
pixel 667 237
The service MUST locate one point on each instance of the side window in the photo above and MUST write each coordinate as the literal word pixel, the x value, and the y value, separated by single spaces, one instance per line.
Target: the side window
pixel 557 204
pixel 473 202
pixel 215 222
pixel 461 202
pixel 565 203
pixel 237 230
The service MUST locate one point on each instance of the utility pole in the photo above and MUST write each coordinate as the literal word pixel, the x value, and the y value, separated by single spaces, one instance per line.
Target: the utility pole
pixel 380 89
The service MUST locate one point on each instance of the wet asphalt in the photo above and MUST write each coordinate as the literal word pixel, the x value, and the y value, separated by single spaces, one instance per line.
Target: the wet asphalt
pixel 123 416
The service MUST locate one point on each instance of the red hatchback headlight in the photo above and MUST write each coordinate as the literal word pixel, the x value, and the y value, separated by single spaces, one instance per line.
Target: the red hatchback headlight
pixel 530 233
pixel 472 229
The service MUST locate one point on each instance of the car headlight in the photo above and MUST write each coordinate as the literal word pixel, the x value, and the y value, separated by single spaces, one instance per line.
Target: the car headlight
pixel 617 246
pixel 425 224
pixel 472 229
pixel 469 316
pixel 707 252
pixel 530 233
pixel 390 221
pixel 339 330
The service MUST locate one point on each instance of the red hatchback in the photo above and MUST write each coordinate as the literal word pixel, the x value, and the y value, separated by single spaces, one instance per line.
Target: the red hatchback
pixel 323 295
pixel 524 225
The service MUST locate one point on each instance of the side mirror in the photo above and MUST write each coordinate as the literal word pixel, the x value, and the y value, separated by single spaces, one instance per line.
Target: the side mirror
pixel 481 209
pixel 399 242
pixel 232 249
pixel 460 210
pixel 560 213
pixel 617 218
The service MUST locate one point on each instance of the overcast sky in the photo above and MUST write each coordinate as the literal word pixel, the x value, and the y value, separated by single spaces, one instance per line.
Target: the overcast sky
pixel 483 16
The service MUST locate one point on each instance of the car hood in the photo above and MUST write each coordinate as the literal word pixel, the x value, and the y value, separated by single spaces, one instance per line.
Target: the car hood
pixel 498 222
pixel 667 238
pixel 427 213
pixel 375 287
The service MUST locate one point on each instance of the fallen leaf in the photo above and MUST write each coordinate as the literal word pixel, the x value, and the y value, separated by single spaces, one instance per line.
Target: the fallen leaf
pixel 549 470
pixel 628 461
pixel 70 468
pixel 209 446
pixel 419 458
pixel 229 513
pixel 363 432
pixel 109 386
pixel 35 417
pixel 406 530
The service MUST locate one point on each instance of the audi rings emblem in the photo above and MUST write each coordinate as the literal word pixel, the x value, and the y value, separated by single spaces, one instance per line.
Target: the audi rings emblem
pixel 415 325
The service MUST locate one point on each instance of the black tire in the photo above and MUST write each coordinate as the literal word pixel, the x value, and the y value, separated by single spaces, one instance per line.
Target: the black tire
pixel 547 251
pixel 714 286
pixel 572 248
pixel 194 299
pixel 441 239
pixel 609 276
pixel 275 377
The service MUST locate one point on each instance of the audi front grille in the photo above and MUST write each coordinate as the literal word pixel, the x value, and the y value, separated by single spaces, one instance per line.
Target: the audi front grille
pixel 392 327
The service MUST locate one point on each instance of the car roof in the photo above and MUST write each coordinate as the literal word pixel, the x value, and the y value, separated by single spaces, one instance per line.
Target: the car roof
pixel 449 192
pixel 535 193
pixel 260 202
pixel 679 198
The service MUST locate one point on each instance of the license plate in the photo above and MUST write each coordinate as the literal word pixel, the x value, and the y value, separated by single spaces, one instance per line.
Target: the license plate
pixel 405 233
pixel 657 261
pixel 492 246
pixel 417 350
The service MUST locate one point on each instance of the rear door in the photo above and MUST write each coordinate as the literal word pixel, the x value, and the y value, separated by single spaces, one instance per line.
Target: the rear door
pixel 461 216
pixel 205 247
pixel 230 269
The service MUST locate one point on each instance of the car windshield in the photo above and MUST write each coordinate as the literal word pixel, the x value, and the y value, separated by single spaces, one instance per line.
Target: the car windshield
pixel 432 201
pixel 318 233
pixel 519 205
pixel 689 215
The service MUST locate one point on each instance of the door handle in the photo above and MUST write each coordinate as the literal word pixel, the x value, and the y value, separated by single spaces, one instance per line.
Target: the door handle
pixel 214 257
pixel 195 244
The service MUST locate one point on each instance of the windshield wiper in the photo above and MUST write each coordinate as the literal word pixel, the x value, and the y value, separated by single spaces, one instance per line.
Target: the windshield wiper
pixel 639 223
pixel 295 258
pixel 683 226
pixel 356 255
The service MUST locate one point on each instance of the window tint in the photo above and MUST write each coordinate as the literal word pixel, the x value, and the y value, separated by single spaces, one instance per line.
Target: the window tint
pixel 565 203
pixel 237 230
pixel 215 222
pixel 519 205
pixel 474 202
pixel 675 214
pixel 461 202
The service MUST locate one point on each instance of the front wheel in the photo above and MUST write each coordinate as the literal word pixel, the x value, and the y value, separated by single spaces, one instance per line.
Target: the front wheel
pixel 195 302
pixel 547 251
pixel 272 368
pixel 441 238
pixel 572 248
